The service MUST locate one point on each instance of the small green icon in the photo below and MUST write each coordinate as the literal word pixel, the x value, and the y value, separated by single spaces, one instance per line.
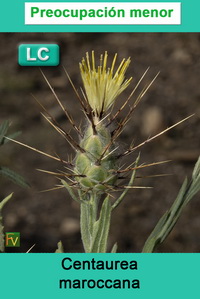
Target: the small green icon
pixel 38 55
pixel 12 239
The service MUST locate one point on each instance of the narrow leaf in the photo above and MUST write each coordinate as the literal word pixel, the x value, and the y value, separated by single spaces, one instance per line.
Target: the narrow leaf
pixel 85 223
pixel 169 219
pixel 11 136
pixel 119 200
pixel 60 248
pixel 2 204
pixel 14 177
pixel 3 130
pixel 69 189
pixel 101 228
pixel 114 248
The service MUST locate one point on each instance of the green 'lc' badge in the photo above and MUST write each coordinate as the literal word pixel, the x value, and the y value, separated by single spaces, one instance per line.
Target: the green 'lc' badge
pixel 38 55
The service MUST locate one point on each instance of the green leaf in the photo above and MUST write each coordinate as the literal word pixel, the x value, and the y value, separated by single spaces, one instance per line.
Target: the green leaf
pixel 114 248
pixel 69 189
pixel 119 200
pixel 2 204
pixel 85 225
pixel 3 130
pixel 101 228
pixel 14 177
pixel 11 136
pixel 196 171
pixel 60 248
pixel 169 219
pixel 4 201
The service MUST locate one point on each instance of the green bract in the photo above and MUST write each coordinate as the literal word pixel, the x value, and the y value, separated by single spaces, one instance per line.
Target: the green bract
pixel 94 168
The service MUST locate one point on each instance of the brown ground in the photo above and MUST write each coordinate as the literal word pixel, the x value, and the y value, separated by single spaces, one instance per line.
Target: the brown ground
pixel 45 218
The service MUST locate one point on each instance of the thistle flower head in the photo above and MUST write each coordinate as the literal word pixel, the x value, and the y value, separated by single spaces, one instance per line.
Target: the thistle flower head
pixel 103 85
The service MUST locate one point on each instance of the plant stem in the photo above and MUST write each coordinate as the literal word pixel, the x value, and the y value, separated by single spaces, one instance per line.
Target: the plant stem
pixel 88 218
pixel 94 229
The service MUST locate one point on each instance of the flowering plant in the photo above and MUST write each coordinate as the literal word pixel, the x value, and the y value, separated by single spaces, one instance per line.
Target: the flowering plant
pixel 94 178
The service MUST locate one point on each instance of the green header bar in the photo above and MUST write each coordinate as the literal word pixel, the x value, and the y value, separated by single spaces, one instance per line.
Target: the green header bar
pixel 12 19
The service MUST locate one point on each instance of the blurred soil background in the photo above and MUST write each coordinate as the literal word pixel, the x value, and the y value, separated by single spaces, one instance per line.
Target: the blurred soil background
pixel 44 218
